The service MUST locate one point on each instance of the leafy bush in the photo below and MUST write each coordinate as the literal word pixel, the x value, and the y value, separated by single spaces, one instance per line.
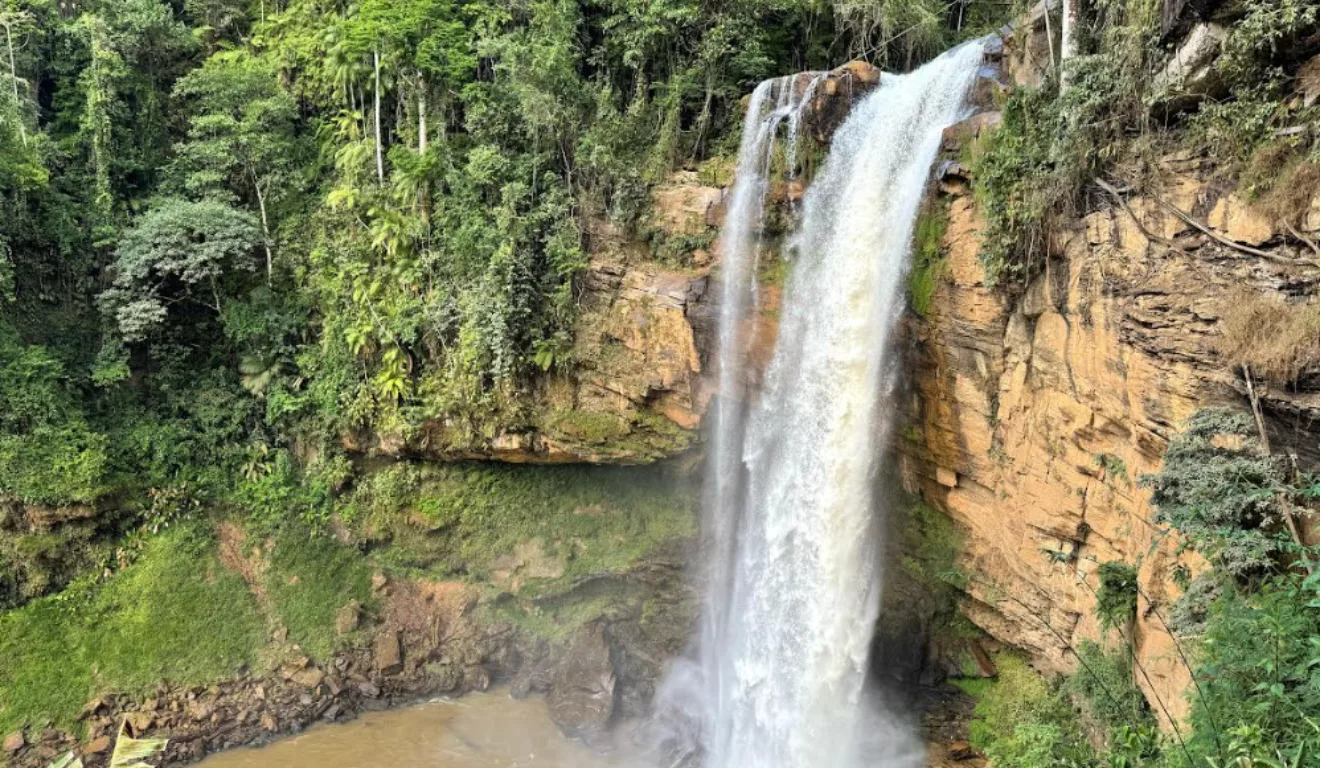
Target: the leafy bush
pixel 1257 662
pixel 1221 491
pixel 49 454
pixel 1030 171
pixel 1022 721
pixel 1105 688
pixel 1116 600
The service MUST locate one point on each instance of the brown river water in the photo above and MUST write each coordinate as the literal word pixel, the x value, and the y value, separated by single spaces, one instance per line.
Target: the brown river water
pixel 488 730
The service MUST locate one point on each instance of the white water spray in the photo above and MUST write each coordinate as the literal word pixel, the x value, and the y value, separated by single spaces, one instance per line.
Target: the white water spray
pixel 794 586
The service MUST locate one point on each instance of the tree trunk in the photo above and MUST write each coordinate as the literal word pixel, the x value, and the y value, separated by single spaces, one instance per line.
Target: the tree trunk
pixel 265 229
pixel 424 197
pixel 421 116
pixel 13 76
pixel 380 157
pixel 1068 41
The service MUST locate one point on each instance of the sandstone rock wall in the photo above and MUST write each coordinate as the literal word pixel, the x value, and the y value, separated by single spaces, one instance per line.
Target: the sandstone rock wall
pixel 634 387
pixel 1034 416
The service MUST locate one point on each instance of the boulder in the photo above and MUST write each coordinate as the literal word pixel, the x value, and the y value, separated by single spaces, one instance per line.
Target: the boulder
pixel 1190 75
pixel 581 696
pixel 683 205
pixel 1241 221
pixel 308 678
pixel 961 750
pixel 14 742
pixel 349 618
pixel 1307 83
pixel 369 690
pixel 388 653
pixel 98 746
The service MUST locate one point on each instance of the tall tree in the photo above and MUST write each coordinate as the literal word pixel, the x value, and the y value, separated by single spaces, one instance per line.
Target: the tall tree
pixel 177 252
pixel 242 136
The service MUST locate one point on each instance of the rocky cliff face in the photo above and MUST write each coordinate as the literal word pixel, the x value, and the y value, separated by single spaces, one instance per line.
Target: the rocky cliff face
pixel 1034 417
pixel 630 389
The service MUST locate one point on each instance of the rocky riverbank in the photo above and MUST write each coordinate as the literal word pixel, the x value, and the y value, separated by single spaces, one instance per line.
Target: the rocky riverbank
pixel 427 640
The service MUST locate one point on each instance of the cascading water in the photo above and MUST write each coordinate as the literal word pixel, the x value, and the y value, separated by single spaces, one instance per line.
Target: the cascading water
pixel 794 586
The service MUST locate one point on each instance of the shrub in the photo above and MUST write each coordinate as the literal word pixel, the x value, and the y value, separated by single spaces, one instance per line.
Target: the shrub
pixel 1116 600
pixel 1221 491
pixel 1104 686
pixel 49 454
pixel 1256 664
pixel 1021 721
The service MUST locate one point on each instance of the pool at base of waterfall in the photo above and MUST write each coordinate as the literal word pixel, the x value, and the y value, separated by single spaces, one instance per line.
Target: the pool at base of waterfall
pixel 488 730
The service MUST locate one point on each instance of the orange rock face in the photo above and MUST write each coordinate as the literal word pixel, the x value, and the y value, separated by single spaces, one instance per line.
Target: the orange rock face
pixel 1039 413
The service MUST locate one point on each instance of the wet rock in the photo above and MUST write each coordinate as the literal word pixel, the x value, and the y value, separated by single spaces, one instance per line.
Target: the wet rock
pixel 308 678
pixel 139 722
pixel 198 711
pixel 388 653
pixel 527 561
pixel 92 708
pixel 349 618
pixel 966 131
pixel 961 750
pixel 369 690
pixel 581 696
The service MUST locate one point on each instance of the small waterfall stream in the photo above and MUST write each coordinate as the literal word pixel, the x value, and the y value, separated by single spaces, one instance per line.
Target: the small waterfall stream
pixel 794 586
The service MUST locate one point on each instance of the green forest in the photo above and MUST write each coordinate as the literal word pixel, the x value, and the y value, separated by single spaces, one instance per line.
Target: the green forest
pixel 237 231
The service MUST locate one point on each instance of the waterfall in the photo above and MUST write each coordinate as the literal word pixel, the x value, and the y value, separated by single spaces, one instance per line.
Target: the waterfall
pixel 792 519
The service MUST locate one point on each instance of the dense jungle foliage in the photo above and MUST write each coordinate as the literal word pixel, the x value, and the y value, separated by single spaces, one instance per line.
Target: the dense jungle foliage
pixel 237 230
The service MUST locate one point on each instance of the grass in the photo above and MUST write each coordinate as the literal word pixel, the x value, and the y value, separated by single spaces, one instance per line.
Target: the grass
pixel 558 617
pixel 178 614
pixel 175 614
pixel 1278 340
pixel 457 519
pixel 311 579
